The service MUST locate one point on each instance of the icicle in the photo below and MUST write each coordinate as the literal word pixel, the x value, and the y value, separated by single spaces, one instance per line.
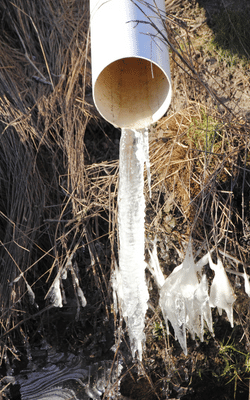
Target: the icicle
pixel 117 286
pixel 221 293
pixel 55 294
pixel 31 293
pixel 130 284
pixel 29 290
pixel 74 275
pixel 154 267
pixel 246 283
pixel 185 302
pixel 174 295
pixel 202 310
pixel 203 261
pixel 146 155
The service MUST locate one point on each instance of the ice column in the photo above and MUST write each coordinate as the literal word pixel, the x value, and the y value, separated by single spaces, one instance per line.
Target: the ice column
pixel 131 285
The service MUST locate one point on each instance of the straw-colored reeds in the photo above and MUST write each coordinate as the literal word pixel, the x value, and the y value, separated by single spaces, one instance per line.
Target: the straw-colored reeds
pixel 44 77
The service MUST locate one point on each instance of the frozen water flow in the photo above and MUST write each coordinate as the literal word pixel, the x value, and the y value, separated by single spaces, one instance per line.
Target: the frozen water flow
pixel 221 292
pixel 129 282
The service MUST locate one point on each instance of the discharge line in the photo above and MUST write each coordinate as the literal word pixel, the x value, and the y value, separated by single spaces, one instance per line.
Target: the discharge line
pixel 131 80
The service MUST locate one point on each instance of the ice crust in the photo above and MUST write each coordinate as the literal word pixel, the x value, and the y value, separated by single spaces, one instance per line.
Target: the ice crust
pixel 129 283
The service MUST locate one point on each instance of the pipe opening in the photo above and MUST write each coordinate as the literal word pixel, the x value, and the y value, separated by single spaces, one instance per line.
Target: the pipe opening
pixel 130 91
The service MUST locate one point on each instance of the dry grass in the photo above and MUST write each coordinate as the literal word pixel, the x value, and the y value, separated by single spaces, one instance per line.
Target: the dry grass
pixel 45 70
pixel 201 160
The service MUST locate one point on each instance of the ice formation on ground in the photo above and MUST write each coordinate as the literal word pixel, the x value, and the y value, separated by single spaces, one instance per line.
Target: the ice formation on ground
pixel 129 284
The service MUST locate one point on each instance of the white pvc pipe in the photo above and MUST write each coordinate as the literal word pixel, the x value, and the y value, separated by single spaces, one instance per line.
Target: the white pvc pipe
pixel 130 62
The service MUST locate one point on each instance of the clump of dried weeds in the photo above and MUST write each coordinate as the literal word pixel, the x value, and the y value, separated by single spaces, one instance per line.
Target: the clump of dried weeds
pixel 44 78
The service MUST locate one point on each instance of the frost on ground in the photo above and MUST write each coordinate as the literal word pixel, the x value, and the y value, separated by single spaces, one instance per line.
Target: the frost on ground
pixel 129 284
pixel 185 300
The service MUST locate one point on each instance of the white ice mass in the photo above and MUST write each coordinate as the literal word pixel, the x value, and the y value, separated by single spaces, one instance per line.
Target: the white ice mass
pixel 185 300
pixel 129 284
